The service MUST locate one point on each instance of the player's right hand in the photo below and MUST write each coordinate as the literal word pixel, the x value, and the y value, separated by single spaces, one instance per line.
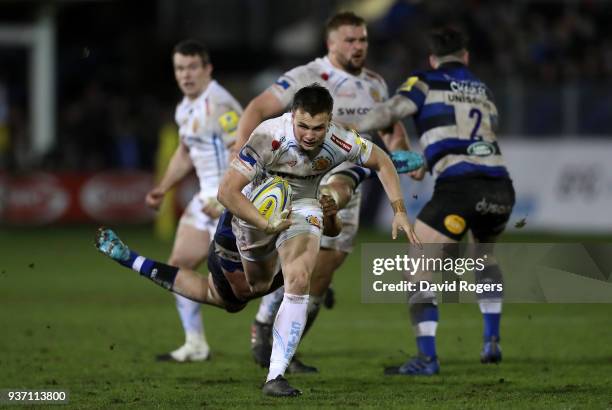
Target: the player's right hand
pixel 328 205
pixel 278 223
pixel 154 198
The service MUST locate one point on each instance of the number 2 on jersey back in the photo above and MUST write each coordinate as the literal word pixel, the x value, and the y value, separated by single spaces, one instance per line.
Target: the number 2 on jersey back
pixel 475 112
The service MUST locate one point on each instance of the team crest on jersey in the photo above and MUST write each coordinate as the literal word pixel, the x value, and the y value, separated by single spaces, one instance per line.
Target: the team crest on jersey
pixel 375 94
pixel 314 221
pixel 341 143
pixel 275 145
pixel 321 163
pixel 195 126
pixel 324 76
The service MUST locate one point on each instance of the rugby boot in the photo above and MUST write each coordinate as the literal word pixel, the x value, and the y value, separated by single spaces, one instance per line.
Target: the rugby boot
pixel 109 244
pixel 417 366
pixel 189 352
pixel 279 387
pixel 491 351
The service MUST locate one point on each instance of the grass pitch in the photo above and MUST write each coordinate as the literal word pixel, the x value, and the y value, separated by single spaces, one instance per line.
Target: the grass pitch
pixel 72 319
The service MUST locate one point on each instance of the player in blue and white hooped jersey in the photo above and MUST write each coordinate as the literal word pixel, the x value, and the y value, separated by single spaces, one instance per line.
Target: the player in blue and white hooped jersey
pixel 355 90
pixel 207 118
pixel 226 285
pixel 456 117
pixel 301 146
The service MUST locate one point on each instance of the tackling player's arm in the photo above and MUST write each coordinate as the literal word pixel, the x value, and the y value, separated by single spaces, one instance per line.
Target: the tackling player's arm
pixel 387 113
pixel 408 100
pixel 382 164
pixel 264 106
pixel 180 165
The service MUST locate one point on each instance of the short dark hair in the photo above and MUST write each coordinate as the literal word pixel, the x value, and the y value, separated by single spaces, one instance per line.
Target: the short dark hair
pixel 313 99
pixel 447 40
pixel 192 47
pixel 345 18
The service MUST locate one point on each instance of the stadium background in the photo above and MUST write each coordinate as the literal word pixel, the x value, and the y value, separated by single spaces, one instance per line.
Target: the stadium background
pixel 86 101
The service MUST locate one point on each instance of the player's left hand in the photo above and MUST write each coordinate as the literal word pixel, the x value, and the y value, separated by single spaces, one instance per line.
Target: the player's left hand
pixel 400 222
pixel 278 223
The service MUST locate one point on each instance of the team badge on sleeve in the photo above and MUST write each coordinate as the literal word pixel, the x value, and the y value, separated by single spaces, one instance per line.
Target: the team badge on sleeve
pixel 408 84
pixel 362 144
pixel 281 82
pixel 246 155
pixel 229 122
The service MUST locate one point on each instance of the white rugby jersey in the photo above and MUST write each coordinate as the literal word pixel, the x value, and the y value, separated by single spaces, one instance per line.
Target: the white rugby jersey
pixel 206 126
pixel 273 150
pixel 353 95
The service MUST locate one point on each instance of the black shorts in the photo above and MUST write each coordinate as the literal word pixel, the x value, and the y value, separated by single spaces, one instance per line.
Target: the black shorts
pixel 224 289
pixel 232 303
pixel 481 205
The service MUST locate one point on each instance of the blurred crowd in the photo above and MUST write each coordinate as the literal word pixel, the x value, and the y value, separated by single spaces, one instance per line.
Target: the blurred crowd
pixel 548 63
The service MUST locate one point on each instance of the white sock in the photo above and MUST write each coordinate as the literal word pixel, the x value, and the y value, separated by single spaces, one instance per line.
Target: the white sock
pixel 268 307
pixel 492 305
pixel 191 318
pixel 287 331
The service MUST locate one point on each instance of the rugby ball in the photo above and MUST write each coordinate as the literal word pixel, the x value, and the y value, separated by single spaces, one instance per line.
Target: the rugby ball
pixel 271 197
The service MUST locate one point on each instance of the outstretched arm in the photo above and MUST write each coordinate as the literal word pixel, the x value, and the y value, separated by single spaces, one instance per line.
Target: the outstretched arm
pixel 382 164
pixel 180 165
pixel 385 114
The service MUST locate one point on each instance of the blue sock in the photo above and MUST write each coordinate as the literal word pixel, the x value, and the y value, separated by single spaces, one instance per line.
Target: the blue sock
pixel 144 267
pixel 160 273
pixel 491 326
pixel 427 346
pixel 426 317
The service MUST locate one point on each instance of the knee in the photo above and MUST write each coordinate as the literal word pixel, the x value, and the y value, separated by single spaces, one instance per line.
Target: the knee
pixel 185 261
pixel 258 287
pixel 297 280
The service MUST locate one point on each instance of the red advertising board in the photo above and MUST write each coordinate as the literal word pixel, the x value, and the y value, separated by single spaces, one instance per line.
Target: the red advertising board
pixel 111 196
